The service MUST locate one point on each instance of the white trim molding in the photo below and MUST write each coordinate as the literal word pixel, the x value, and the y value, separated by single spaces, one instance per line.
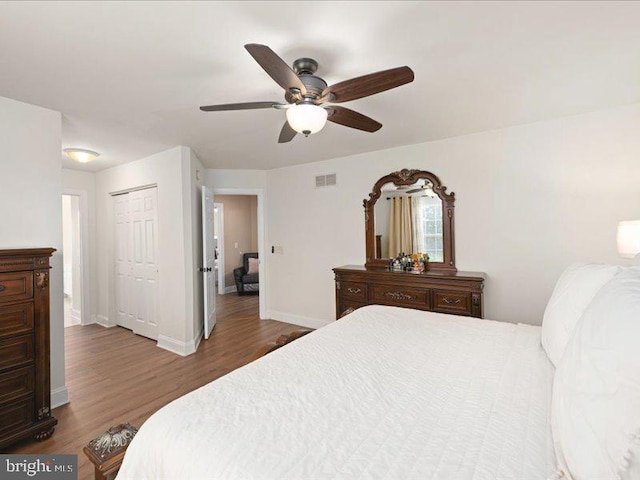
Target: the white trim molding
pixel 230 289
pixel 59 397
pixel 183 349
pixel 298 319
pixel 104 321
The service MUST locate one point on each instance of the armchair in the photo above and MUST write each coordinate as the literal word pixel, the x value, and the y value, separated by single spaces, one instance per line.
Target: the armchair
pixel 246 282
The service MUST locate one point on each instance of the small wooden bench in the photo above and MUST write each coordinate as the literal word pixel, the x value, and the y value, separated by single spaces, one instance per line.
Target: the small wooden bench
pixel 106 451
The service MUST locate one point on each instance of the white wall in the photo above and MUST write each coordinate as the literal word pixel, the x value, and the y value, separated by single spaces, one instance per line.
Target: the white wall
pixel 248 179
pixel 529 201
pixel 31 207
pixel 170 171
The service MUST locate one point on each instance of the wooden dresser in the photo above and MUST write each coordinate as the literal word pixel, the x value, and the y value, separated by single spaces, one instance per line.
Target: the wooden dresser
pixel 458 293
pixel 25 390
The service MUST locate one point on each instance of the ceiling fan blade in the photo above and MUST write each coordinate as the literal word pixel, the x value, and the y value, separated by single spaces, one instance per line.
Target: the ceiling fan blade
pixel 415 190
pixel 240 106
pixel 275 67
pixel 367 85
pixel 349 118
pixel 287 133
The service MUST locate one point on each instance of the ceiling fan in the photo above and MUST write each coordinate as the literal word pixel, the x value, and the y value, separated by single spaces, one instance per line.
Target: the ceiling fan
pixel 420 188
pixel 307 94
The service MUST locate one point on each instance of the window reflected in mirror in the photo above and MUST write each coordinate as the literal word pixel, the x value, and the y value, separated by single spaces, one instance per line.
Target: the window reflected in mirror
pixel 408 219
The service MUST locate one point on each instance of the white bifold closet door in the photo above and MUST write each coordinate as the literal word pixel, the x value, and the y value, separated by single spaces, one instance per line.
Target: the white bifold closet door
pixel 136 254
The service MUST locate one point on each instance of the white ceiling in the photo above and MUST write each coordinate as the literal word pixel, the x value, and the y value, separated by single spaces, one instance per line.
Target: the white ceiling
pixel 129 77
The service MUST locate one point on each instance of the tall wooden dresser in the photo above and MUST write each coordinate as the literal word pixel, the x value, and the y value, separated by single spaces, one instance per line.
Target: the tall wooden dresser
pixel 25 384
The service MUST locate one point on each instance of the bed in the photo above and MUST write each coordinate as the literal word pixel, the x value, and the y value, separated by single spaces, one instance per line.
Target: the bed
pixel 384 393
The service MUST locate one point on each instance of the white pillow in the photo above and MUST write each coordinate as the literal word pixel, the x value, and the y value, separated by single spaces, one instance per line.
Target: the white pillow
pixel 596 389
pixel 575 289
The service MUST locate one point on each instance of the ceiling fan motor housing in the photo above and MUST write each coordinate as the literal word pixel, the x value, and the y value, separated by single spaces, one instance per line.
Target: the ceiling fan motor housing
pixel 305 69
pixel 305 65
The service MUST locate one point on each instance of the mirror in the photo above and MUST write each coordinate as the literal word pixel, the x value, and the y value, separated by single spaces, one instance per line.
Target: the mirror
pixel 408 218
pixel 410 212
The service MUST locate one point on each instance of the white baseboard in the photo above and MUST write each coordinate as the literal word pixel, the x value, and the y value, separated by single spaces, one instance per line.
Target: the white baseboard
pixel 230 289
pixel 298 319
pixel 92 320
pixel 104 321
pixel 179 347
pixel 59 397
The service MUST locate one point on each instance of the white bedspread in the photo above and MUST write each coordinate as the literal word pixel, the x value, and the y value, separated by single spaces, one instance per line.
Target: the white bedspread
pixel 385 393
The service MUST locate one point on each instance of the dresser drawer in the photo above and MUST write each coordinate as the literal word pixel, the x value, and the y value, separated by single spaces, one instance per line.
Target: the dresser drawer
pixel 346 305
pixel 16 351
pixel 16 286
pixel 16 319
pixel 16 384
pixel 400 296
pixel 354 291
pixel 452 301
pixel 16 415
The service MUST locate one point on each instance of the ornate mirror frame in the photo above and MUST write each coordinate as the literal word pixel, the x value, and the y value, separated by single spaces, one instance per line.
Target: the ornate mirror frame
pixel 409 177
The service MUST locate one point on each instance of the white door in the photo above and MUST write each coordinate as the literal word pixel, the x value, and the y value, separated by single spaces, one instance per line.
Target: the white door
pixel 209 259
pixel 123 270
pixel 136 261
pixel 144 223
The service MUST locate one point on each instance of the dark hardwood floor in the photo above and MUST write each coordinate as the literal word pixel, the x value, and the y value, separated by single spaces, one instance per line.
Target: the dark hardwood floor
pixel 114 376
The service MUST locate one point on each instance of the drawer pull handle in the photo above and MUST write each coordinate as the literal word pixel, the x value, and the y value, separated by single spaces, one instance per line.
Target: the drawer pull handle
pixel 450 302
pixel 2 287
pixel 355 291
pixel 399 296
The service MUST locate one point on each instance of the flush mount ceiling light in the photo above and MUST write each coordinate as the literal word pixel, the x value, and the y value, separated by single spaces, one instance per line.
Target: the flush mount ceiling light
pixel 307 118
pixel 81 155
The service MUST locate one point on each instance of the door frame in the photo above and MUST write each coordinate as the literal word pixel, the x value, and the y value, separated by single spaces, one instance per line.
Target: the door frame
pixel 220 234
pixel 258 192
pixel 83 207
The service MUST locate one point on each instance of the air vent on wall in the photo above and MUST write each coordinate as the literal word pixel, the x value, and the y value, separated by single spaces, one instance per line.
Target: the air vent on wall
pixel 326 180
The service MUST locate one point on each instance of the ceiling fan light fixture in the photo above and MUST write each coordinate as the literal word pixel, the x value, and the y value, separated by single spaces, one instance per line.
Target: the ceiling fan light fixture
pixel 81 155
pixel 307 118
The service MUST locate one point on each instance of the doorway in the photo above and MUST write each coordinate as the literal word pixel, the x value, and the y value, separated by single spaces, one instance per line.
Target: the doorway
pixel 238 236
pixel 242 232
pixel 71 260
pixel 75 257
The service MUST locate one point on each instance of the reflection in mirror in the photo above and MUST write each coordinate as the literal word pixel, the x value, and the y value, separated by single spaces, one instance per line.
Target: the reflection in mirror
pixel 408 218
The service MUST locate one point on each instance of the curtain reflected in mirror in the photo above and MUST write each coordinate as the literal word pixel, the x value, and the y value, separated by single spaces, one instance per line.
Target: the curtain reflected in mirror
pixel 408 219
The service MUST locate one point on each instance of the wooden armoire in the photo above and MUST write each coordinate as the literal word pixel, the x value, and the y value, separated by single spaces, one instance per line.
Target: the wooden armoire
pixel 25 384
